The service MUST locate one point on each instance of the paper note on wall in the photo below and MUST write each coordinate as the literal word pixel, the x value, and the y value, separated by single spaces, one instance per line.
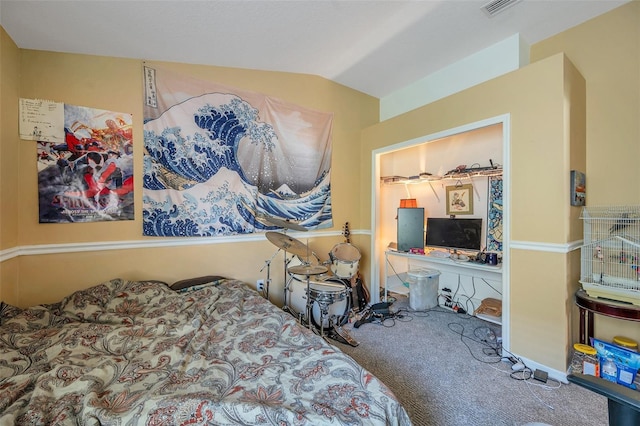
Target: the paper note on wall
pixel 41 120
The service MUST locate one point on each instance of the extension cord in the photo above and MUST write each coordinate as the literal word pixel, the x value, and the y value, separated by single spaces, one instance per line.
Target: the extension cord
pixel 453 306
pixel 448 301
pixel 453 309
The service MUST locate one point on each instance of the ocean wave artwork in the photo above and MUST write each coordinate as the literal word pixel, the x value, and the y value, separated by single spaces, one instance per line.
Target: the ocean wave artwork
pixel 220 161
pixel 494 231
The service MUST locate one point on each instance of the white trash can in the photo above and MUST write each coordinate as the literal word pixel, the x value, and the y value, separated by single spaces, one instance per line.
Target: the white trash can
pixel 423 289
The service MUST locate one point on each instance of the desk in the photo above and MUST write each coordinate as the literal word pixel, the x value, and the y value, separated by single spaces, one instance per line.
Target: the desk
pixel 480 280
pixel 590 305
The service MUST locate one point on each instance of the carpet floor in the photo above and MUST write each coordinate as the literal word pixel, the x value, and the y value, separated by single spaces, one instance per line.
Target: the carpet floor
pixel 437 365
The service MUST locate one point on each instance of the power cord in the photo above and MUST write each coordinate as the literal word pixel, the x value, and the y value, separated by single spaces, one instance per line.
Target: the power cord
pixel 381 314
pixel 492 287
pixel 483 335
pixel 526 374
pixel 396 273
pixel 489 350
pixel 403 315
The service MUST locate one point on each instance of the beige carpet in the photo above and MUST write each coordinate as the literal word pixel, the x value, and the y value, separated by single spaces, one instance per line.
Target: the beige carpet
pixel 443 379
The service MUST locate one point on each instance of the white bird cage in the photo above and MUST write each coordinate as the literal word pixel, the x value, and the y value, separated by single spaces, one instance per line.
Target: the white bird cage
pixel 610 265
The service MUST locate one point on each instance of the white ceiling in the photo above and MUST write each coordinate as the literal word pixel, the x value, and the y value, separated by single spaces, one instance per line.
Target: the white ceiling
pixel 374 46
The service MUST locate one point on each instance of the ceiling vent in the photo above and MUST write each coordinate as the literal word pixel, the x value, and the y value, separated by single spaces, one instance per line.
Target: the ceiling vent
pixel 496 6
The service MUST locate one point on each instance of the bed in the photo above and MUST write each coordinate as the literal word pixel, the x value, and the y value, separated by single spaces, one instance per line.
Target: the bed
pixel 143 352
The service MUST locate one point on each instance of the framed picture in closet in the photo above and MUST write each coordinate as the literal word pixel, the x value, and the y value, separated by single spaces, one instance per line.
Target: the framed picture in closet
pixel 459 199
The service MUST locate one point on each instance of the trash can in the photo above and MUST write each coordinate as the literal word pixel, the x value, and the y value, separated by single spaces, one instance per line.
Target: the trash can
pixel 423 289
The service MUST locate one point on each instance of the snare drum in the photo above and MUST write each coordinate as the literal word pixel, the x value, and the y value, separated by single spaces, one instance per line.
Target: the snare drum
pixel 330 291
pixel 344 260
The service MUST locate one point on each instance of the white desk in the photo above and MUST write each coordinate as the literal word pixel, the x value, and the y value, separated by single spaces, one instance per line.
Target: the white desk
pixel 395 277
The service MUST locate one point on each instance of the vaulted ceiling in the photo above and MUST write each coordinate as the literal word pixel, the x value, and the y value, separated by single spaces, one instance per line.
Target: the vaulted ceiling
pixel 374 46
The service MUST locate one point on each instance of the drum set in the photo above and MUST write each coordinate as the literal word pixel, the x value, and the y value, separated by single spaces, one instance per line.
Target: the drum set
pixel 317 293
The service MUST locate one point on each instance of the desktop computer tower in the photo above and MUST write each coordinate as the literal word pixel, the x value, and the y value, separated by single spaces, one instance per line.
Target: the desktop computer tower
pixel 410 228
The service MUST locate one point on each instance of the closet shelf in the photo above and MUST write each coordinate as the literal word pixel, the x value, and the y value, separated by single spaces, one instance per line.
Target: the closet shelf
pixel 425 177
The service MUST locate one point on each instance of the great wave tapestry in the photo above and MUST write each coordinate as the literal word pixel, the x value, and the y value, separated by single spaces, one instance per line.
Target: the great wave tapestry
pixel 223 161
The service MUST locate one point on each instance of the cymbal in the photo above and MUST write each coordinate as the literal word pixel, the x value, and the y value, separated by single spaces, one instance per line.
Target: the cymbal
pixel 288 244
pixel 308 269
pixel 285 223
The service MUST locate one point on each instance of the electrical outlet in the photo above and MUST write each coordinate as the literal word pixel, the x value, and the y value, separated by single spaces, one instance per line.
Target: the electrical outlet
pixel 260 285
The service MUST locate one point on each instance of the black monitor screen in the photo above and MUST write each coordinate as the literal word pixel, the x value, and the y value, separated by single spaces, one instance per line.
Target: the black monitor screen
pixel 454 233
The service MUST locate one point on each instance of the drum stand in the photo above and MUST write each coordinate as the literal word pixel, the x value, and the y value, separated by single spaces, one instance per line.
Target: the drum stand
pixel 309 304
pixel 336 332
pixel 287 284
pixel 324 312
pixel 268 280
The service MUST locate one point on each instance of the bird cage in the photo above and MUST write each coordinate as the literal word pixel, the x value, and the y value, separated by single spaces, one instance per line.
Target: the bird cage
pixel 609 256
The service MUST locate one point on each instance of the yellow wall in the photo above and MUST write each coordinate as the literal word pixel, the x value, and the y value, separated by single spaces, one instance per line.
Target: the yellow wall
pixel 606 51
pixel 116 84
pixel 541 100
pixel 9 167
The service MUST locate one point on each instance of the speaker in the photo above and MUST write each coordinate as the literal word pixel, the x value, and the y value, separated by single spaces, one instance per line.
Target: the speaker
pixel 410 228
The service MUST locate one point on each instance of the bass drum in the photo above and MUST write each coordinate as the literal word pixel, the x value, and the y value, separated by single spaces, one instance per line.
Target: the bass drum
pixel 331 291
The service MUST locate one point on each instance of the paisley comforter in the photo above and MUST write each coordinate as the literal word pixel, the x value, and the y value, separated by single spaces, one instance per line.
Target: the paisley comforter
pixel 134 353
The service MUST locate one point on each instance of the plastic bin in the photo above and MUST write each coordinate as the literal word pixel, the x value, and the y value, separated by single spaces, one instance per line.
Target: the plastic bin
pixel 423 289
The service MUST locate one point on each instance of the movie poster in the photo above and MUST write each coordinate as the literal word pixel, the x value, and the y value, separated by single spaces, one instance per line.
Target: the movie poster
pixel 88 177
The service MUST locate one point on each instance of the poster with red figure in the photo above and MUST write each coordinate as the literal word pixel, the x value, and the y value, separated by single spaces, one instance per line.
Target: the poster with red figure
pixel 88 177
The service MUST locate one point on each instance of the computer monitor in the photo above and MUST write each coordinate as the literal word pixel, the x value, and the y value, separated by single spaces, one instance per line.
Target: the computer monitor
pixel 454 233
pixel 410 228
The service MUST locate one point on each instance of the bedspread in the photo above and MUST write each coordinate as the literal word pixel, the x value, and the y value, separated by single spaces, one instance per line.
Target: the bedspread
pixel 131 353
